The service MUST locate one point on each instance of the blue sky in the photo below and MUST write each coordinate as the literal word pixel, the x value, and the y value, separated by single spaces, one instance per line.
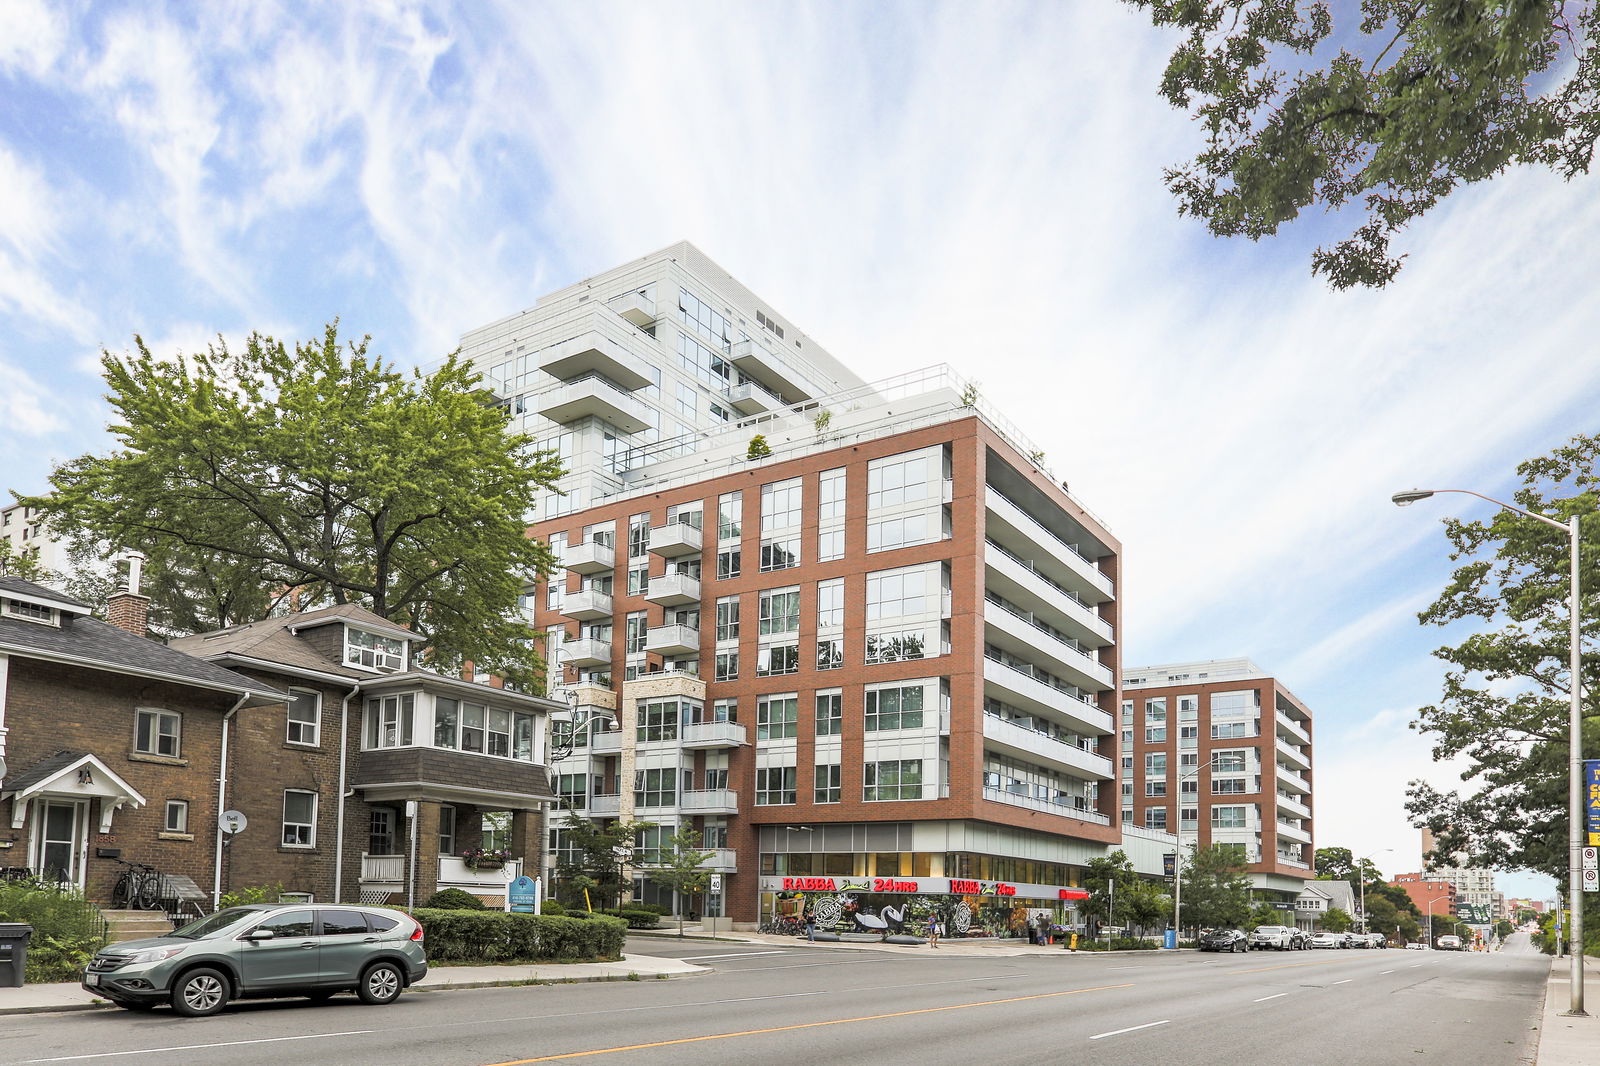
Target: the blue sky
pixel 913 184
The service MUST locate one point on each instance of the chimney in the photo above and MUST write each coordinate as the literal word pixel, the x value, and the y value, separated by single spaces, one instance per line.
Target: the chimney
pixel 126 609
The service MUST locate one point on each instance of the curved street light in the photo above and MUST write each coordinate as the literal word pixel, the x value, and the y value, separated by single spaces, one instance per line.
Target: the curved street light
pixel 1574 731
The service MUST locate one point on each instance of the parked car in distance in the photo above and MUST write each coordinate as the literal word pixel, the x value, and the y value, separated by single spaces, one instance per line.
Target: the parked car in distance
pixel 261 950
pixel 1224 940
pixel 1453 943
pixel 1302 939
pixel 1357 940
pixel 1377 940
pixel 1280 937
pixel 1327 940
pixel 1416 945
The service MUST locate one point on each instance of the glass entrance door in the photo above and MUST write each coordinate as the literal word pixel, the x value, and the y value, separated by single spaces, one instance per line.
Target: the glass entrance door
pixel 60 840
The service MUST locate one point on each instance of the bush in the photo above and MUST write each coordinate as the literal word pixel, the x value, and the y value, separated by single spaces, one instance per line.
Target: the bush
pixel 551 906
pixel 495 936
pixel 637 918
pixel 67 929
pixel 453 899
pixel 240 897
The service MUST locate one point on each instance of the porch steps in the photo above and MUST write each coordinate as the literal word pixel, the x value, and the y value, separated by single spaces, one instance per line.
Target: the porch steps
pixel 135 925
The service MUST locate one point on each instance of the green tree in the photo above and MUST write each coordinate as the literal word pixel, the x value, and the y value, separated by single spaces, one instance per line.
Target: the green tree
pixel 1393 113
pixel 1107 879
pixel 759 448
pixel 1216 892
pixel 588 871
pixel 24 563
pixel 1145 904
pixel 1337 920
pixel 326 474
pixel 681 867
pixel 1391 912
pixel 1505 702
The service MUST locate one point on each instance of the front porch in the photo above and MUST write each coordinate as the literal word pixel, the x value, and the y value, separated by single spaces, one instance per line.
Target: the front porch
pixel 386 878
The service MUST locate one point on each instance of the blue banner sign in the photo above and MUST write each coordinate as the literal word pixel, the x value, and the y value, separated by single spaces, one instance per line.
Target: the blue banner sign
pixel 524 894
pixel 1591 800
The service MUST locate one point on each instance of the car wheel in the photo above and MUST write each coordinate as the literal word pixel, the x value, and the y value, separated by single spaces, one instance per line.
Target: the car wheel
pixel 381 983
pixel 200 992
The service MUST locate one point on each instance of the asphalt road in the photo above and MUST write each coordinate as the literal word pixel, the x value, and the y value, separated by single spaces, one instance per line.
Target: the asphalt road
pixel 819 1005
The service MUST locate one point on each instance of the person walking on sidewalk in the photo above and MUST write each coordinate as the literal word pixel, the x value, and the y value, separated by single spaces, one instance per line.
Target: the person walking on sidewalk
pixel 933 931
pixel 811 926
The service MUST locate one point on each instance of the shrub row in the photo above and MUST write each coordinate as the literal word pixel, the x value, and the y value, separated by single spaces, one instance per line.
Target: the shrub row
pixel 495 936
pixel 67 930
pixel 636 919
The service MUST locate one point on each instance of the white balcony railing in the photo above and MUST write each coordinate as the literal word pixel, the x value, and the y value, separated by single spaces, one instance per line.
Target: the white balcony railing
pixel 1030 693
pixel 1295 756
pixel 1066 554
pixel 1047 644
pixel 604 805
pixel 713 735
pixel 1288 777
pixel 587 605
pixel 455 873
pixel 1023 573
pixel 589 557
pixel 674 539
pixel 388 869
pixel 673 590
pixel 1066 810
pixel 1031 743
pixel 593 395
pixel 709 801
pixel 586 651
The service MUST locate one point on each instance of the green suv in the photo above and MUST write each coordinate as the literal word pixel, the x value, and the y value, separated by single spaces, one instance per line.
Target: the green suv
pixel 268 950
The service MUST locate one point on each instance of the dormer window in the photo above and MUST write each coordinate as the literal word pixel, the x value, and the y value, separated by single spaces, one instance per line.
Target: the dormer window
pixel 375 652
pixel 32 612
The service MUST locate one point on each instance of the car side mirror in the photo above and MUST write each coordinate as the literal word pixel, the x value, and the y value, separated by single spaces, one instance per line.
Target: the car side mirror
pixel 260 934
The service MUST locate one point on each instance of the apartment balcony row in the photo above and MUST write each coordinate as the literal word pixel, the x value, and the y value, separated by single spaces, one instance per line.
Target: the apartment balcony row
pixel 1022 582
pixel 597 396
pixel 1065 810
pixel 697 801
pixel 673 590
pixel 587 605
pixel 1292 806
pixel 675 639
pixel 1019 741
pixel 589 557
pixel 1290 729
pixel 675 539
pixel 1292 860
pixel 1026 638
pixel 785 373
pixel 599 345
pixel 1292 830
pixel 1028 692
pixel 1007 523
pixel 1293 755
pixel 1288 779
pixel 636 307
pixel 388 873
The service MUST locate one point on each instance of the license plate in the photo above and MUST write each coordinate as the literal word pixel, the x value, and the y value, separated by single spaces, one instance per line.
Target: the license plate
pixel 91 979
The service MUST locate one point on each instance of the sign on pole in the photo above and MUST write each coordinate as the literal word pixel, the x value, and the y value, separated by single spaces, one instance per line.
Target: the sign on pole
pixel 716 882
pixel 1591 879
pixel 1169 864
pixel 1591 858
pixel 523 895
pixel 1591 800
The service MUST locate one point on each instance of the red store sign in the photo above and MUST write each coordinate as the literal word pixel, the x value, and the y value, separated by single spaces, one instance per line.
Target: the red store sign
pixel 925 885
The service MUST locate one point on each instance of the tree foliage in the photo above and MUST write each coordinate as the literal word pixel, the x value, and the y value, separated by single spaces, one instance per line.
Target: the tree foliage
pixel 681 866
pixel 588 873
pixel 1394 113
pixel 317 471
pixel 1505 701
pixel 1337 920
pixel 24 563
pixel 1216 892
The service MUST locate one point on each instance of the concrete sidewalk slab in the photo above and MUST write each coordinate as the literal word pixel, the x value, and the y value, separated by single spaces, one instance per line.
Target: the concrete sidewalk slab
pixel 48 998
pixel 1570 1041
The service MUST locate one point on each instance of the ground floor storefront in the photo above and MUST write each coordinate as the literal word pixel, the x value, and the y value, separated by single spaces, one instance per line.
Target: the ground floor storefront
pixel 894 905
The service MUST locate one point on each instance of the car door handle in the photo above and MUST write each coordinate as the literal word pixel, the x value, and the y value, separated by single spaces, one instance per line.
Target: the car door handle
pixel 370 940
pixel 309 944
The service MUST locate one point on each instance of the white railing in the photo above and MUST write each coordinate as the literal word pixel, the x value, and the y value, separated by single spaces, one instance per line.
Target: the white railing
pixel 386 868
pixel 671 638
pixel 589 553
pixel 1045 746
pixel 1069 554
pixel 603 805
pixel 1066 810
pixel 708 800
pixel 1046 641
pixel 1293 728
pixel 455 873
pixel 1028 686
pixel 1023 571
pixel 597 386
pixel 730 734
pixel 673 586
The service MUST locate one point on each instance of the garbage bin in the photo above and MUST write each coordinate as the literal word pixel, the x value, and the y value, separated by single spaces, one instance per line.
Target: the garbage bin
pixel 13 952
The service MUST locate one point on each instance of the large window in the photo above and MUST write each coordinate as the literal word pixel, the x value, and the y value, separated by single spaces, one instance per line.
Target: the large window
pixel 389 721
pixel 895 779
pixel 371 650
pixel 828 787
pixel 775 659
pixel 305 712
pixel 1155 817
pixel 905 613
pixel 299 819
pixel 780 524
pixel 894 707
pixel 728 618
pixel 727 665
pixel 830 514
pixel 1229 817
pixel 775 785
pixel 904 505
pixel 457 725
pixel 158 732
pixel 780 611
pixel 655 788
pixel 777 717
pixel 730 516
pixel 658 720
pixel 830 715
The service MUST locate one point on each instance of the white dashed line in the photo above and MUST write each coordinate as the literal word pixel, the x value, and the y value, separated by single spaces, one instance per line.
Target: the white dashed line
pixel 1130 1029
pixel 731 955
pixel 1346 981
pixel 1382 972
pixel 1263 999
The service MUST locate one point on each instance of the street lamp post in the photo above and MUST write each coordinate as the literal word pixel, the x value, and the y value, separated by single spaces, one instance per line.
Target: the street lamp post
pixel 1361 874
pixel 1177 859
pixel 1431 902
pixel 1574 731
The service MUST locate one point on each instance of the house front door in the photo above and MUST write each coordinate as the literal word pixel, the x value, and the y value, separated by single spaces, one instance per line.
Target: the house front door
pixel 60 841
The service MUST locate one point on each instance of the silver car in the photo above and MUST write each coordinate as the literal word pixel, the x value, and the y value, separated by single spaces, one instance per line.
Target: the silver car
pixel 1280 937
pixel 290 949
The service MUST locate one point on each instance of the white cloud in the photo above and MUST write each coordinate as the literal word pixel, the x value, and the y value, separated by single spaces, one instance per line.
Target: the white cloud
pixel 25 405
pixel 32 35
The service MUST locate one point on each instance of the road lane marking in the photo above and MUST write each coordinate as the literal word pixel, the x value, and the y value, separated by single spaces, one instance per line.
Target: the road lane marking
pixel 804 1025
pixel 730 955
pixel 1382 972
pixel 206 1047
pixel 1346 981
pixel 1131 1029
pixel 1279 995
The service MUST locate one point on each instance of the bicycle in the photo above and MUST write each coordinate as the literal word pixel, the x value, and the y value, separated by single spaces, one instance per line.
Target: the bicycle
pixel 138 888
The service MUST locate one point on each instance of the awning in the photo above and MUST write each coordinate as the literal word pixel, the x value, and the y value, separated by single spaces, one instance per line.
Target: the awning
pixel 69 775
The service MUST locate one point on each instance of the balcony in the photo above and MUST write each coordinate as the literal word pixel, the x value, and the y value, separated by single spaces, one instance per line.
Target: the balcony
pixel 751 399
pixel 709 801
pixel 1028 693
pixel 389 871
pixel 714 735
pixel 606 743
pixel 675 539
pixel 676 639
pixel 1288 727
pixel 596 396
pixel 636 307
pixel 1022 582
pixel 1290 860
pixel 1065 810
pixel 1019 741
pixel 777 372
pixel 1290 779
pixel 586 651
pixel 605 806
pixel 589 557
pixel 722 861
pixel 1293 806
pixel 587 605
pixel 385 774
pixel 1295 756
pixel 673 590
pixel 1290 831
pixel 593 352
pixel 1026 638
pixel 1006 522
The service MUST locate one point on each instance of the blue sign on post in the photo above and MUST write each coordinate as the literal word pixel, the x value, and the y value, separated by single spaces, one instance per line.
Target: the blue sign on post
pixel 524 895
pixel 1591 800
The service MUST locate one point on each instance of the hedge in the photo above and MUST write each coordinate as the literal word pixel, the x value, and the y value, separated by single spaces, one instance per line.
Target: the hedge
pixel 496 936
pixel 453 899
pixel 636 918
pixel 67 930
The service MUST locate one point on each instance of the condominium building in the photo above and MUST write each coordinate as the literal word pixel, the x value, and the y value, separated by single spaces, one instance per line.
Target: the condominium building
pixel 870 657
pixel 23 527
pixel 1220 753
pixel 1432 895
pixel 1476 896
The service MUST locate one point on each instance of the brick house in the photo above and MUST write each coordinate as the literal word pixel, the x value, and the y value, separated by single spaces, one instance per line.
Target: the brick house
pixel 375 776
pixel 109 742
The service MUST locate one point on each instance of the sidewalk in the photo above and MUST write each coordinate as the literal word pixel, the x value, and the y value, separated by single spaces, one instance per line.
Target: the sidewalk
pixel 981 947
pixel 1570 1041
pixel 41 999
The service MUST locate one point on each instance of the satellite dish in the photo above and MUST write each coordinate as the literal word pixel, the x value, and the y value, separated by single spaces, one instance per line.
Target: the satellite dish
pixel 232 822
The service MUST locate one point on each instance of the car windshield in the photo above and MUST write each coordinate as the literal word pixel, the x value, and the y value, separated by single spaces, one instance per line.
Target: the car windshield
pixel 212 924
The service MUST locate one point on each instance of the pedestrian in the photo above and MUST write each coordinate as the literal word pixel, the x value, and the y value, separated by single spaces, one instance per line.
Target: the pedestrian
pixel 811 926
pixel 933 931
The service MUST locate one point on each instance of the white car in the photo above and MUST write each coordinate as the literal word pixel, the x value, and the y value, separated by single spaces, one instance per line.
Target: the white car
pixel 1280 937
pixel 1327 940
